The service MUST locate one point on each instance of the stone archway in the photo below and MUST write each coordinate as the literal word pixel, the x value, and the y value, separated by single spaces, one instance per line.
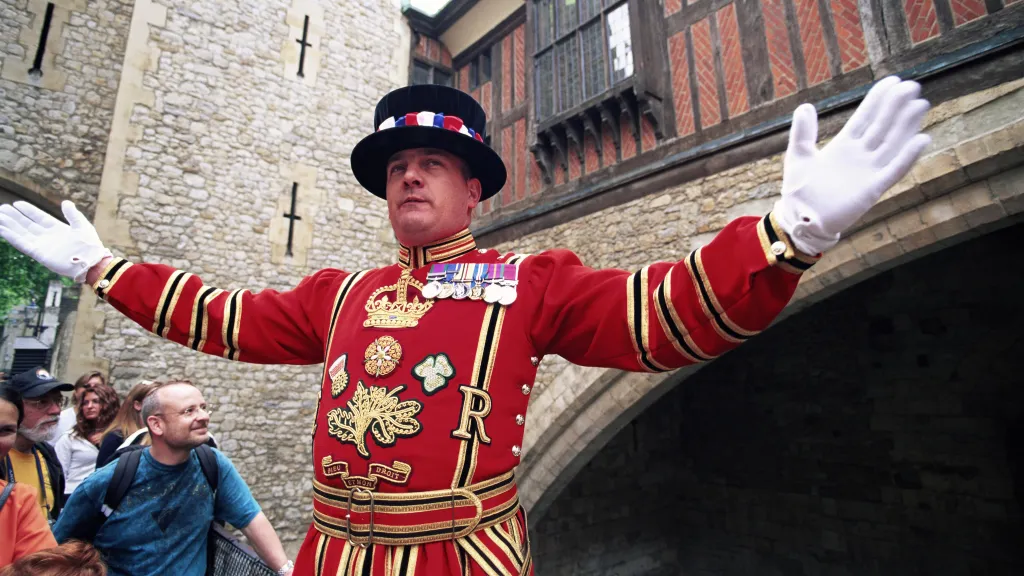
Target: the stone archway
pixel 877 431
pixel 603 401
pixel 14 187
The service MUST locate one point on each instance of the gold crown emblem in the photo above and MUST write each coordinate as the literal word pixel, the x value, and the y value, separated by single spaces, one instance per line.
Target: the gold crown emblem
pixel 401 313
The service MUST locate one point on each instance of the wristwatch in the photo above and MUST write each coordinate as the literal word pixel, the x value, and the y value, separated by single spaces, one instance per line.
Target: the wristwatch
pixel 286 569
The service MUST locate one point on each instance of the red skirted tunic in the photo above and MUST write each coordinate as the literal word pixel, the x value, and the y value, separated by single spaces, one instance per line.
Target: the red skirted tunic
pixel 420 418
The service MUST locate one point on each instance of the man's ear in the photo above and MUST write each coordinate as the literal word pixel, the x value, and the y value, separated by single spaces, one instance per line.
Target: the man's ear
pixel 155 425
pixel 475 191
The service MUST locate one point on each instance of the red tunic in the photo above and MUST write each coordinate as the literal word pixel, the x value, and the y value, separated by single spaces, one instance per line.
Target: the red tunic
pixel 422 402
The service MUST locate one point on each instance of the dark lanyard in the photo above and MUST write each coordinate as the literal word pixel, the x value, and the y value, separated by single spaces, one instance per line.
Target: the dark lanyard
pixel 39 471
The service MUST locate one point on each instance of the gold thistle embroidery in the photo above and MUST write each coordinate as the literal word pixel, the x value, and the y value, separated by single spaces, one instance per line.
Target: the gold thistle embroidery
pixel 398 314
pixel 376 410
pixel 339 376
pixel 382 356
pixel 434 372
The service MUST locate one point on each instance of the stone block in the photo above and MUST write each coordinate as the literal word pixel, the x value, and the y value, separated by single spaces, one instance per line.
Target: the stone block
pixel 977 205
pixel 876 245
pixel 993 152
pixel 1008 189
pixel 939 173
pixel 942 218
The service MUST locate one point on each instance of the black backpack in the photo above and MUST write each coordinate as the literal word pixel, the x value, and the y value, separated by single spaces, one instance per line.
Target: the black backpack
pixel 224 554
pixel 128 459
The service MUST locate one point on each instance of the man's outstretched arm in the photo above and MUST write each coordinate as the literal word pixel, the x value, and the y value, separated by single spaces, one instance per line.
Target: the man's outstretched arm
pixel 262 327
pixel 671 314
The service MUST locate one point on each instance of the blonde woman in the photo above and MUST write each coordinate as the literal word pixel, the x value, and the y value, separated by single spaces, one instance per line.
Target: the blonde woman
pixel 127 422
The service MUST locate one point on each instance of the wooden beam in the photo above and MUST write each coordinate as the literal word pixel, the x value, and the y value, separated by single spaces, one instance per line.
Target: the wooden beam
pixel 610 115
pixel 574 134
pixel 591 118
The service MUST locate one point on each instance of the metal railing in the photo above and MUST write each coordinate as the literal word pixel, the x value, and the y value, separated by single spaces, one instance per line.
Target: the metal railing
pixel 229 557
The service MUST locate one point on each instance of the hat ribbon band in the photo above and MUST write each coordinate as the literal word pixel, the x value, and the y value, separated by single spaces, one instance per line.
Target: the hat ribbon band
pixel 431 119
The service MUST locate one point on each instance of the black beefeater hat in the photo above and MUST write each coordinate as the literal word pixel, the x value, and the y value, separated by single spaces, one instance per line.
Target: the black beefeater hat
pixel 427 116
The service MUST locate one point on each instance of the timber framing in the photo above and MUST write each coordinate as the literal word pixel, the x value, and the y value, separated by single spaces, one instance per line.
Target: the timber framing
pixel 975 67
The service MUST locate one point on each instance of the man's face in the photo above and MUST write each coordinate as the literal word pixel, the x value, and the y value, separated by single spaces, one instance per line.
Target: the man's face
pixel 41 415
pixel 8 426
pixel 429 196
pixel 183 421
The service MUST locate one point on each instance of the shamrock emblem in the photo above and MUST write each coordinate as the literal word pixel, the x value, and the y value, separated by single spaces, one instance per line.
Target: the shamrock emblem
pixel 434 372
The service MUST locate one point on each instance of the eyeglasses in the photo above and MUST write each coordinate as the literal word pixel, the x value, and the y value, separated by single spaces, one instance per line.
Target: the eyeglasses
pixel 57 399
pixel 191 412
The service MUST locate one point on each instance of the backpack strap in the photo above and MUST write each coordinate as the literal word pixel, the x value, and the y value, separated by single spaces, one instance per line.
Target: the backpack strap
pixel 208 462
pixel 6 494
pixel 121 481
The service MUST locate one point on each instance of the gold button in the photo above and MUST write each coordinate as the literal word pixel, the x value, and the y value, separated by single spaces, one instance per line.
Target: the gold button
pixel 526 389
pixel 516 451
pixel 104 283
pixel 520 420
pixel 779 248
pixel 534 360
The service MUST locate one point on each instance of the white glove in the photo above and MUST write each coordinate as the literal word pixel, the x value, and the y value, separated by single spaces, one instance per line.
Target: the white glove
pixel 67 250
pixel 825 191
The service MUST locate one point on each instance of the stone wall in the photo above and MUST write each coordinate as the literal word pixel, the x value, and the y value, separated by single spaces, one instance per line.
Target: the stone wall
pixel 54 127
pixel 220 128
pixel 876 432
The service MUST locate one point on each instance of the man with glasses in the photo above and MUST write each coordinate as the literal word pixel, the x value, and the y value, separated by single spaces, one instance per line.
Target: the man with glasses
pixel 33 461
pixel 161 524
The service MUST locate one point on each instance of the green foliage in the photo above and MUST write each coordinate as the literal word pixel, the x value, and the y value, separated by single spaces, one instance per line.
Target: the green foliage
pixel 22 280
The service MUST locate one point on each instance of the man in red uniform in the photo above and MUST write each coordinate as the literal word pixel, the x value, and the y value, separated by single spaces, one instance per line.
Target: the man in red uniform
pixel 429 363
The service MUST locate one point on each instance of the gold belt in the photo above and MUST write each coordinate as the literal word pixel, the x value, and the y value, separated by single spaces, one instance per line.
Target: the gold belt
pixel 366 517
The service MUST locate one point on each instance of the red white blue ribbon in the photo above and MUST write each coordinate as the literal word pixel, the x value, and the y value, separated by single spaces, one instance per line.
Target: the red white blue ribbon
pixel 431 119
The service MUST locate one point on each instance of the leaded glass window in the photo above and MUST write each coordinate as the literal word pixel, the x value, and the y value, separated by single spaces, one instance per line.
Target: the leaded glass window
pixel 545 89
pixel 583 47
pixel 423 73
pixel 620 44
pixel 420 73
pixel 593 60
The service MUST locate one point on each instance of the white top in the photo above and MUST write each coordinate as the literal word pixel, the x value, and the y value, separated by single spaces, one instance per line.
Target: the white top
pixel 78 458
pixel 68 417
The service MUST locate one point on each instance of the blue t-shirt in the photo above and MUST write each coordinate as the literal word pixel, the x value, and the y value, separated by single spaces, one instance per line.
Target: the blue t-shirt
pixel 161 525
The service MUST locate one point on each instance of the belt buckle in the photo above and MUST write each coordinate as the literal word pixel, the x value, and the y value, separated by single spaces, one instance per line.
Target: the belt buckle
pixel 474 501
pixel 348 517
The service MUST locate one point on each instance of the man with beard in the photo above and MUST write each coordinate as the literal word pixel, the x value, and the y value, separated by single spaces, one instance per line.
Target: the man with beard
pixel 33 461
pixel 161 524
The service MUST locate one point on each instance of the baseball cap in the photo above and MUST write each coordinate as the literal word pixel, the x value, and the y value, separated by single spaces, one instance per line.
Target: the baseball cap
pixel 37 382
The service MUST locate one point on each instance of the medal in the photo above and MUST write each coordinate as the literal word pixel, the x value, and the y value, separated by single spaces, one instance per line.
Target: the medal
pixel 508 295
pixel 447 288
pixel 508 290
pixel 433 287
pixel 431 290
pixel 492 293
pixel 476 292
pixel 461 286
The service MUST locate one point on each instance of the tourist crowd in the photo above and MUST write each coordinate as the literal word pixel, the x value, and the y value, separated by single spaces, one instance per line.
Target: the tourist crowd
pixel 111 484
